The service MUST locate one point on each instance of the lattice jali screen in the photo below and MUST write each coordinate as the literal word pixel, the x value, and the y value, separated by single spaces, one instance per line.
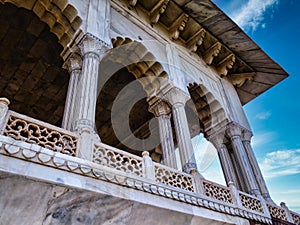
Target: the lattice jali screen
pixel 174 178
pixel 117 159
pixel 50 137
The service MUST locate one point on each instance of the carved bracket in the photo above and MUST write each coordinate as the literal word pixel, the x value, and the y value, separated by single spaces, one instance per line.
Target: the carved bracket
pixel 239 79
pixel 133 3
pixel 158 10
pixel 212 52
pixel 178 26
pixel 225 65
pixel 196 40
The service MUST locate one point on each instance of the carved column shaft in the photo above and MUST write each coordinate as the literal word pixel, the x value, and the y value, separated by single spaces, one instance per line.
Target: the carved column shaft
pixel 74 66
pixel 178 98
pixel 257 172
pixel 92 52
pixel 234 133
pixel 162 112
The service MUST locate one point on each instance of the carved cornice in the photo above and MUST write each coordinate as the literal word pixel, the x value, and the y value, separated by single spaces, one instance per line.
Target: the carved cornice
pixel 196 40
pixel 178 26
pixel 239 79
pixel 212 52
pixel 158 10
pixel 225 65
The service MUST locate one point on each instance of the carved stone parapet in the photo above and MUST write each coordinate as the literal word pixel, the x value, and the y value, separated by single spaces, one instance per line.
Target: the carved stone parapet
pixel 212 52
pixel 178 26
pixel 90 44
pixel 158 10
pixel 196 40
pixel 239 79
pixel 225 65
pixel 4 103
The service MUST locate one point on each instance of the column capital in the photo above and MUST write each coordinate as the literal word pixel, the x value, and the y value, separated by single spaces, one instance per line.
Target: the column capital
pixel 233 130
pixel 247 135
pixel 218 139
pixel 160 108
pixel 74 62
pixel 176 96
pixel 91 44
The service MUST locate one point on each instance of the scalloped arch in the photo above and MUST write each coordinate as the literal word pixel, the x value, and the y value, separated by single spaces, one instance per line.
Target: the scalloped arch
pixel 61 17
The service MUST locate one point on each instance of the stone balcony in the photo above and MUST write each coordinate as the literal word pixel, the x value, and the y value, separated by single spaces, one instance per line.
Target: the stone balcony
pixel 40 151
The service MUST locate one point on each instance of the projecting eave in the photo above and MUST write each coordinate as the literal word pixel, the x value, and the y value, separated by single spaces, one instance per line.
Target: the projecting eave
pixel 266 73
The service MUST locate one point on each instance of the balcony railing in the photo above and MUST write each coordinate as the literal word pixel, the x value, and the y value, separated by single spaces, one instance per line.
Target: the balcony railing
pixel 38 142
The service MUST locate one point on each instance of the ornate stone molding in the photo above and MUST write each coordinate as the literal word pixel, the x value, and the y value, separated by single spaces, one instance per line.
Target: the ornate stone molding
pixel 176 96
pixel 158 10
pixel 91 44
pixel 212 52
pixel 239 79
pixel 196 40
pixel 178 26
pixel 225 65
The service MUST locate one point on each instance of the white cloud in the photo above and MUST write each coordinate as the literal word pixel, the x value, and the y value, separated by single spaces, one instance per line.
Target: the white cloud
pixel 260 139
pixel 263 115
pixel 252 14
pixel 281 163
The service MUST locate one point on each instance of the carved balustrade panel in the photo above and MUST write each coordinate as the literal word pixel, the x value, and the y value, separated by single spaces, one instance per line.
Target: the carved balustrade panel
pixel 296 218
pixel 20 127
pixel 218 192
pixel 173 178
pixel 252 203
pixel 277 212
pixel 117 159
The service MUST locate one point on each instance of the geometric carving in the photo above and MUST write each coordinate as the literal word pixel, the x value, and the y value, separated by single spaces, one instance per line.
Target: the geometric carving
pixel 239 79
pixel 30 132
pixel 251 203
pixel 277 212
pixel 225 65
pixel 178 26
pixel 174 178
pixel 217 191
pixel 212 52
pixel 157 10
pixel 196 40
pixel 118 160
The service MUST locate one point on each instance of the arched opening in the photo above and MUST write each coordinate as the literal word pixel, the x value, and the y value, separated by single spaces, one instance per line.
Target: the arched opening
pixel 205 116
pixel 32 77
pixel 130 75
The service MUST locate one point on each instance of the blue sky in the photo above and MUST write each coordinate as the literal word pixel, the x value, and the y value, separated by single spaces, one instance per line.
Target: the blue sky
pixel 275 115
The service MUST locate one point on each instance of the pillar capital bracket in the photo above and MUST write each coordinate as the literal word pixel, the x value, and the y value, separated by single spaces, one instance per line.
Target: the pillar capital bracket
pixel 212 52
pixel 159 108
pixel 91 44
pixel 176 96
pixel 178 26
pixel 73 62
pixel 247 135
pixel 233 130
pixel 158 10
pixel 196 40
pixel 218 139
pixel 225 65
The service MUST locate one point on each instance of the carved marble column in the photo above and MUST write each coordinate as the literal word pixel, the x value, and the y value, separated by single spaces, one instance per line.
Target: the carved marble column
pixel 235 134
pixel 73 64
pixel 4 103
pixel 255 167
pixel 225 160
pixel 92 51
pixel 177 98
pixel 162 112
